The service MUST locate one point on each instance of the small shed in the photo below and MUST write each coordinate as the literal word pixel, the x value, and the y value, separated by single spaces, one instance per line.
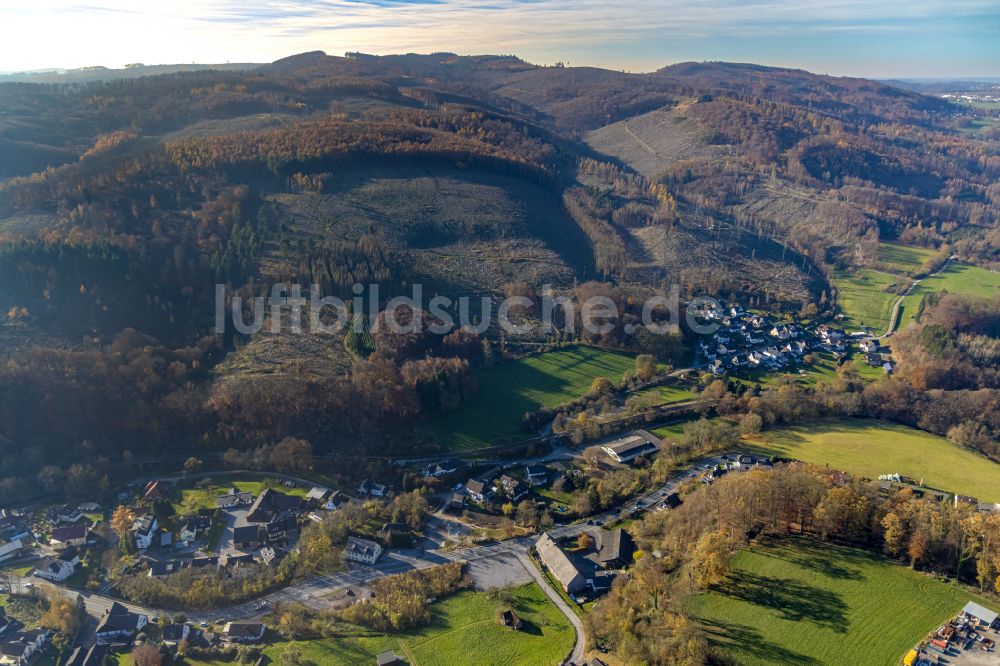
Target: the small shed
pixel 509 618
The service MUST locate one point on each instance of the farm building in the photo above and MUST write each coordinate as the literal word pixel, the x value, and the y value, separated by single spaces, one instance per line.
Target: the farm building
pixel 631 447
pixel 560 565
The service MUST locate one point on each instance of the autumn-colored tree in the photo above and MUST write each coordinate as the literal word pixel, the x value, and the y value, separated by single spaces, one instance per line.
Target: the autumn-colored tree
pixel 710 559
pixel 584 541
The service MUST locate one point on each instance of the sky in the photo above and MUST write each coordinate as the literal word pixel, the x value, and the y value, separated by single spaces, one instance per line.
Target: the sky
pixel 873 38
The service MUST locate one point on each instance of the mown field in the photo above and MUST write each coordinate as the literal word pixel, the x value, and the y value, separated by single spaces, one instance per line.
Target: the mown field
pixel 797 601
pixel 955 279
pixel 871 448
pixel 863 298
pixel 464 631
pixel 508 391
pixel 902 258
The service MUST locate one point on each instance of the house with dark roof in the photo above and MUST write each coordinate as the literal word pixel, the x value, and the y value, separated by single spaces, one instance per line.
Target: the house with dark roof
pixel 175 633
pixel 476 490
pixel 192 527
pixel 73 535
pixel 269 504
pixel 536 475
pixel 238 632
pixel 88 656
pixel 234 500
pixel 249 536
pixel 63 513
pixel 616 549
pixel 19 649
pixel 119 623
pixel 160 569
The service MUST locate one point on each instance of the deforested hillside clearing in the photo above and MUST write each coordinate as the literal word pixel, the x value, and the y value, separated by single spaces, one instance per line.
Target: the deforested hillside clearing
pixel 797 601
pixel 652 141
pixel 450 228
pixel 871 448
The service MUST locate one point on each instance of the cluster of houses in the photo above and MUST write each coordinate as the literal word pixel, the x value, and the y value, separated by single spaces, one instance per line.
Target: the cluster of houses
pixel 587 572
pixel 493 487
pixel 19 645
pixel 750 340
pixel 15 536
pixel 735 462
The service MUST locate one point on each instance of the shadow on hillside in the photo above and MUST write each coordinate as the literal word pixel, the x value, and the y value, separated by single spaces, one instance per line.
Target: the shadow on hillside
pixel 747 641
pixel 792 600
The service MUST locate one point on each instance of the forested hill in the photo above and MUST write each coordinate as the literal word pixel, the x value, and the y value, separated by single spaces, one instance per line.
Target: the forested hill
pixel 123 201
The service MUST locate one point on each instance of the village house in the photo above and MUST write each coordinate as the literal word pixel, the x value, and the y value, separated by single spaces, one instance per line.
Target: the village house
pixel 19 649
pixel 362 550
pixel 192 527
pixel 317 496
pixel 559 564
pixel 443 468
pixel 73 535
pixel 88 656
pixel 536 475
pixel 144 530
pixel 512 488
pixel 10 549
pixel 615 549
pixel 118 623
pixel 269 504
pixel 64 513
pixel 234 500
pixel 248 537
pixel 476 490
pixel 54 569
pixel 174 634
pixel 159 569
pixel 243 632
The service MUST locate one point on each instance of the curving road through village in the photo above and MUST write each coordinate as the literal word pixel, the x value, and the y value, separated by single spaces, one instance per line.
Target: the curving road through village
pixel 315 592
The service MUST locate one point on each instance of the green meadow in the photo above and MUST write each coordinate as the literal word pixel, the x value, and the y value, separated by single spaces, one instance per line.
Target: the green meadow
pixel 510 390
pixel 798 601
pixel 870 448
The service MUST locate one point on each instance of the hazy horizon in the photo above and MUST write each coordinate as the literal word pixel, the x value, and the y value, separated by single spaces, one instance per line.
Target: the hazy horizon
pixel 895 39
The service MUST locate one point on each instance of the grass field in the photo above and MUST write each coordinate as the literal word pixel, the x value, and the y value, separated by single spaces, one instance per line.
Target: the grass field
pixel 508 391
pixel 667 395
pixel 863 299
pixel 956 279
pixel 870 448
pixel 193 498
pixel 902 258
pixel 464 631
pixel 797 601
